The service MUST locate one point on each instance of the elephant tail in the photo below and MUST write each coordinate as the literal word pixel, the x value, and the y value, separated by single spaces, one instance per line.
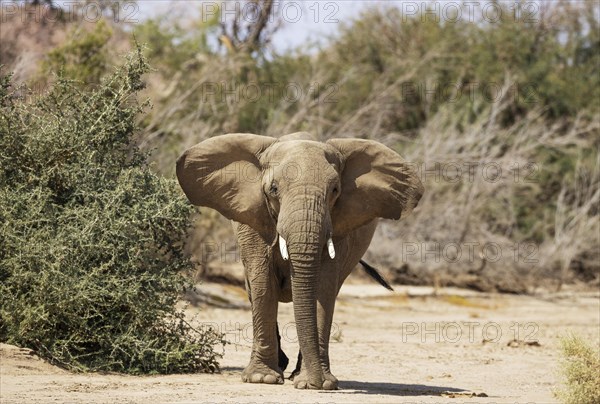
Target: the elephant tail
pixel 374 273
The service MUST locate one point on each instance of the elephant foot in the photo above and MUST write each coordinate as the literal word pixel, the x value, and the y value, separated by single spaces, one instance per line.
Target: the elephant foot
pixel 261 373
pixel 331 382
pixel 301 381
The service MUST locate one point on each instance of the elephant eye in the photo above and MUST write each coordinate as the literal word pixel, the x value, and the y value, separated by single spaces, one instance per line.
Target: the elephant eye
pixel 273 189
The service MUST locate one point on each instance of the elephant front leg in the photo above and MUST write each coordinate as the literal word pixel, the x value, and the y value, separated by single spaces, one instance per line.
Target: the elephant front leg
pixel 264 361
pixel 261 286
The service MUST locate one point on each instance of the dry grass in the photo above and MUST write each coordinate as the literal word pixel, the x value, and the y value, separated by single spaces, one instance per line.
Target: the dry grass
pixel 464 302
pixel 487 214
pixel 581 371
pixel 401 299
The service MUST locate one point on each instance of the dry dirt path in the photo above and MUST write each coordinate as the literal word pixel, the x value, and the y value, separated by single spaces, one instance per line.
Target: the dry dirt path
pixel 409 346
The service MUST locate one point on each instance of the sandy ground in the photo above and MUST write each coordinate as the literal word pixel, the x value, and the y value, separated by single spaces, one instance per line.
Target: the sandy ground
pixel 408 346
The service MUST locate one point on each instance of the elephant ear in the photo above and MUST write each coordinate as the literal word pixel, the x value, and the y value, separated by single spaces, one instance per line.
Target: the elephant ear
pixel 224 173
pixel 376 182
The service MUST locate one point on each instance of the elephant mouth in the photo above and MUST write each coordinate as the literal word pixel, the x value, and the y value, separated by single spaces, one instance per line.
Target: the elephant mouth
pixel 286 255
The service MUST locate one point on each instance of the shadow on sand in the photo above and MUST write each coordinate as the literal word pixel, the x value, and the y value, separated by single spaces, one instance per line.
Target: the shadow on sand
pixel 393 389
pixel 232 369
pixel 378 388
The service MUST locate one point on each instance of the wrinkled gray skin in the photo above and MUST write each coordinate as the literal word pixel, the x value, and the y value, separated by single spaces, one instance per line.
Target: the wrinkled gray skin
pixel 305 192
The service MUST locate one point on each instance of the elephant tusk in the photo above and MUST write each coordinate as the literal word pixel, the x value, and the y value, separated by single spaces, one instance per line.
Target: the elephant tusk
pixel 330 248
pixel 283 248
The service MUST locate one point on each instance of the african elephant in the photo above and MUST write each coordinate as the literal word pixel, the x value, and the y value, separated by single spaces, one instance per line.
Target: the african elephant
pixel 304 213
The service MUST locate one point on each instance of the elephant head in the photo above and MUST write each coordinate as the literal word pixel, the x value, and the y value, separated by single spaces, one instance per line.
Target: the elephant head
pixel 303 195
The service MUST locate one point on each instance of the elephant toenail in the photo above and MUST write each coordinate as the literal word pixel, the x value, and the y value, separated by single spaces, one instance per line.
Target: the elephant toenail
pixel 256 378
pixel 270 379
pixel 329 385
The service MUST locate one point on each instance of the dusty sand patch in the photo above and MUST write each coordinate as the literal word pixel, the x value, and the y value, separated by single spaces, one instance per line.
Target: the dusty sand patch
pixel 409 346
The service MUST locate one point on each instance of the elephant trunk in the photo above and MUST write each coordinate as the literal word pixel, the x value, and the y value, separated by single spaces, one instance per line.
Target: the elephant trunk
pixel 304 295
pixel 304 230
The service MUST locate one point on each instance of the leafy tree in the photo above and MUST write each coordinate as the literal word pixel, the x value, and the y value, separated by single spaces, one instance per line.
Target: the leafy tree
pixel 84 57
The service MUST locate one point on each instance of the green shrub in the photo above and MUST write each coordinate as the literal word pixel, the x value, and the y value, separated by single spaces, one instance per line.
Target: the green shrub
pixel 91 250
pixel 581 369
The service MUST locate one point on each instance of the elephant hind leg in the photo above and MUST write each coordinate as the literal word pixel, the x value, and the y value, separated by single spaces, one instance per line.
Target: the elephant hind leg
pixel 296 371
pixel 282 357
